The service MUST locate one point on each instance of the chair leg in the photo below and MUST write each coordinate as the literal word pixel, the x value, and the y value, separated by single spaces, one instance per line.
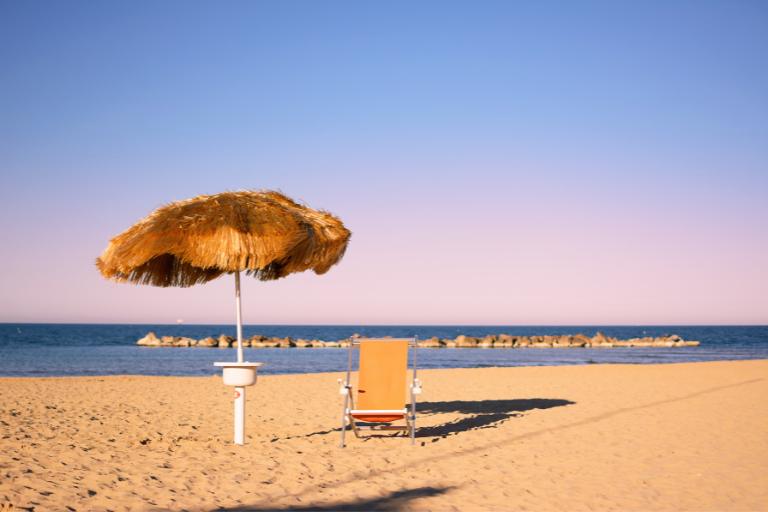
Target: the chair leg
pixel 355 430
pixel 344 420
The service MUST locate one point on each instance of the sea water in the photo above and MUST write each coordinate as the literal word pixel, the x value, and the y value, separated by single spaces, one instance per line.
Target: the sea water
pixel 91 349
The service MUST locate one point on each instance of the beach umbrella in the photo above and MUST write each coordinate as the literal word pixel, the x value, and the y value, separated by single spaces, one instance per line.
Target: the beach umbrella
pixel 262 233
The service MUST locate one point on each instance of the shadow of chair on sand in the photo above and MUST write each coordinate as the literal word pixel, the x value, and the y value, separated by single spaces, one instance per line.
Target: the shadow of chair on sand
pixel 392 502
pixel 477 414
pixel 480 413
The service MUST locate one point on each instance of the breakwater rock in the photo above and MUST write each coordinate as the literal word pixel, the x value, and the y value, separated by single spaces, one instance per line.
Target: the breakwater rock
pixel 599 340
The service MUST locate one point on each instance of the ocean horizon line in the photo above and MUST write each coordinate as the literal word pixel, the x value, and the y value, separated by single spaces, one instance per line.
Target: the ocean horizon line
pixel 279 324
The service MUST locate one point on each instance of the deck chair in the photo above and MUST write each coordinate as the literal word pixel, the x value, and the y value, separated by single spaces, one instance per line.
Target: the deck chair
pixel 381 390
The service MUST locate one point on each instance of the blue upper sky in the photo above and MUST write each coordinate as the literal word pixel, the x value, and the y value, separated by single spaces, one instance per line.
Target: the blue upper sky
pixel 108 109
pixel 202 83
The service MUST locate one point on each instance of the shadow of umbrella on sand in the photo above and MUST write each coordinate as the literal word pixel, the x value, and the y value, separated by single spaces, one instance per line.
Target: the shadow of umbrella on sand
pixel 262 233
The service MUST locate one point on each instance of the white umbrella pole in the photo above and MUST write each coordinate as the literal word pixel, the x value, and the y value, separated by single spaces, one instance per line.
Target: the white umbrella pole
pixel 239 415
pixel 239 391
pixel 239 319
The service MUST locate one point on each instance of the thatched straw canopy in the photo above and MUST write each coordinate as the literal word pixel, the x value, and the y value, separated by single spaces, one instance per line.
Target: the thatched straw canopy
pixel 188 242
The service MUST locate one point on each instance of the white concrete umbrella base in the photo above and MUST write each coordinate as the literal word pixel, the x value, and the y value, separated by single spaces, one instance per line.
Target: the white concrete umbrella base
pixel 239 375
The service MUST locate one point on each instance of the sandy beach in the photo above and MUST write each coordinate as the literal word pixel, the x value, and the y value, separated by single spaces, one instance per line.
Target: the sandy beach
pixel 599 437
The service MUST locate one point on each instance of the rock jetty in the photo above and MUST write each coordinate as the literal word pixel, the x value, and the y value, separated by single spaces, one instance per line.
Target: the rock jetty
pixel 599 340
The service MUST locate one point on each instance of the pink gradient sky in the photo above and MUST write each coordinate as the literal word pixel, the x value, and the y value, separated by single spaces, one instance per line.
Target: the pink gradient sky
pixel 484 253
pixel 565 172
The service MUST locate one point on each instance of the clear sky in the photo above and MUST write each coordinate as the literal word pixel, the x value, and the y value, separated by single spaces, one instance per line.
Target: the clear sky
pixel 498 162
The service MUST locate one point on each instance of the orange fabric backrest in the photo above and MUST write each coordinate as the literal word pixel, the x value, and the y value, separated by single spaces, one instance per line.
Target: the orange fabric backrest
pixel 382 379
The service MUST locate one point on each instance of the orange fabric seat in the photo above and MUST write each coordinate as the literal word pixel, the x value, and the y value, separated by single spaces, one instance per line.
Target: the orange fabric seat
pixel 382 379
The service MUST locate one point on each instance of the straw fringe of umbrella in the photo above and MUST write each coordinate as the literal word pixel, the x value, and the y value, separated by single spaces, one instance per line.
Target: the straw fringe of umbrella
pixel 188 242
